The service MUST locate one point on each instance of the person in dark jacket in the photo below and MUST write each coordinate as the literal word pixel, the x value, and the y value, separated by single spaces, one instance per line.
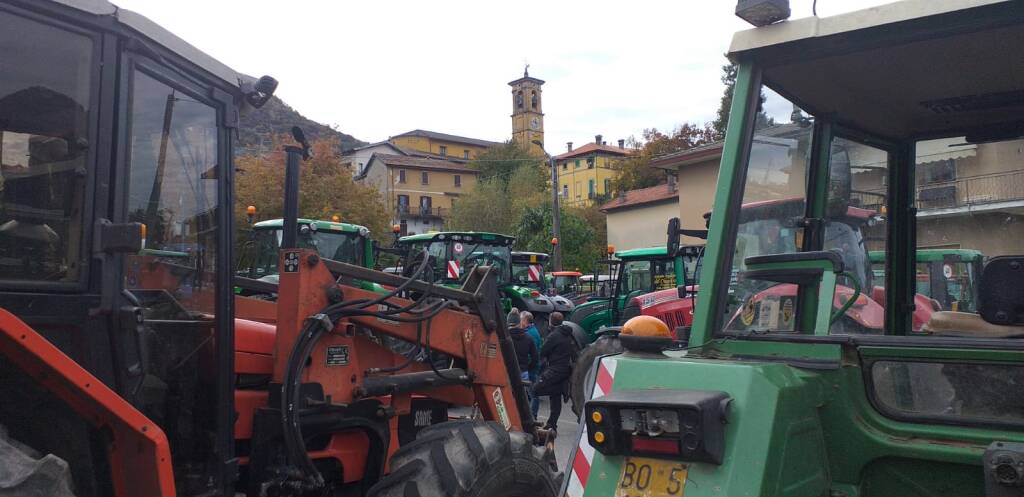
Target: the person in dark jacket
pixel 558 355
pixel 526 350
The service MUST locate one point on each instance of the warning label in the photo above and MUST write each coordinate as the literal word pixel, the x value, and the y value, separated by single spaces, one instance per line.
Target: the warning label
pixel 337 355
pixel 499 404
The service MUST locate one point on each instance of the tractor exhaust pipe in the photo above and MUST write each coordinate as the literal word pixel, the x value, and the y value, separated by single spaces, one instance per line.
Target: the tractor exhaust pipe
pixel 291 187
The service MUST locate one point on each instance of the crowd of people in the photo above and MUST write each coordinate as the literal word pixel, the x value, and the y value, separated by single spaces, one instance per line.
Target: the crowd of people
pixel 545 362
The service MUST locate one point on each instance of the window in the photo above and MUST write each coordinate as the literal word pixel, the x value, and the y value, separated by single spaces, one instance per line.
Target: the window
pixel 465 154
pixel 458 180
pixel 403 204
pixel 578 190
pixel 590 162
pixel 444 150
pixel 565 191
pixel 172 187
pixel 424 178
pixel 565 166
pixel 426 205
pixel 401 175
pixel 43 155
pixel 607 186
pixel 577 164
pixel 591 188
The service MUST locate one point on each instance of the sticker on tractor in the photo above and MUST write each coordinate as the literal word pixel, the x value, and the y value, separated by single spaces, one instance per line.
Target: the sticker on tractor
pixel 534 271
pixel 458 248
pixel 499 404
pixel 291 262
pixel 788 313
pixel 748 313
pixel 337 355
pixel 453 270
pixel 947 271
pixel 768 315
pixel 583 457
pixel 489 350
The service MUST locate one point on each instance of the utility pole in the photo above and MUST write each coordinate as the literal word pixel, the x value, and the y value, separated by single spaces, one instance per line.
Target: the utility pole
pixel 556 221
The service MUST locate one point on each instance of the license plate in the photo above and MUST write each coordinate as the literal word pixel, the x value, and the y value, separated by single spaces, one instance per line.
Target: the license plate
pixel 642 477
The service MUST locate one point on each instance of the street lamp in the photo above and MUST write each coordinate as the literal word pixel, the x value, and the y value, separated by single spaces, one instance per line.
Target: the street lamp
pixel 556 216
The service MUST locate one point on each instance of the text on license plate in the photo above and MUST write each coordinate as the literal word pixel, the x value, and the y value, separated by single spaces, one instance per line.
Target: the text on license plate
pixel 643 477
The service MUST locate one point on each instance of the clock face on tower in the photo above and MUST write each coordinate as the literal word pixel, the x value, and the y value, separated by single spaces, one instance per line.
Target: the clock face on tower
pixel 535 123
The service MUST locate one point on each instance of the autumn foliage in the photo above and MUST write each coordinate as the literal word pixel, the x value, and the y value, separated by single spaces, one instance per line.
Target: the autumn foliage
pixel 326 189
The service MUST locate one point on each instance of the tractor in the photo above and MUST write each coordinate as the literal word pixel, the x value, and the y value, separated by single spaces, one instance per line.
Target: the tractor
pixel 452 255
pixel 761 397
pixel 947 276
pixel 129 366
pixel 528 273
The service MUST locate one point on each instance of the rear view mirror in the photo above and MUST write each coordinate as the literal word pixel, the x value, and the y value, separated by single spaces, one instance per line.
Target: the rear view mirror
pixel 673 236
pixel 1001 291
pixel 840 182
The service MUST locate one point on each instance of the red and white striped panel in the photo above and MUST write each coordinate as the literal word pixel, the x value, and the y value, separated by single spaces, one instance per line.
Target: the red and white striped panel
pixel 534 271
pixel 584 455
pixel 453 270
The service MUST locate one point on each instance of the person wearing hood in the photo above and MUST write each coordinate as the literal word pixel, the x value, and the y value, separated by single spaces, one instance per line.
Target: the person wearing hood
pixel 526 350
pixel 558 353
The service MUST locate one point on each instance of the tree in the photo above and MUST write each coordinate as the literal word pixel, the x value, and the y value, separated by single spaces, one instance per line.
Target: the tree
pixel 729 79
pixel 635 172
pixel 326 189
pixel 581 243
pixel 510 180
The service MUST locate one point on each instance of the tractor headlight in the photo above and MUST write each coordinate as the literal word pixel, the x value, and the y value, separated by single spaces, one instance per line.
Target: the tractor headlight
pixel 687 425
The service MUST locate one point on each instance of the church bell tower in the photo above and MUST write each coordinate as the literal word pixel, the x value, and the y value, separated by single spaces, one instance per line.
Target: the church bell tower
pixel 527 112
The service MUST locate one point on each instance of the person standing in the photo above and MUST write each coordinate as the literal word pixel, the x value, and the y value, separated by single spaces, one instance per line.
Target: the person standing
pixel 558 354
pixel 527 355
pixel 526 322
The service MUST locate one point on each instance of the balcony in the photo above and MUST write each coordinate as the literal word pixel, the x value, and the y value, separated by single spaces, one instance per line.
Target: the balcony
pixel 965 192
pixel 419 211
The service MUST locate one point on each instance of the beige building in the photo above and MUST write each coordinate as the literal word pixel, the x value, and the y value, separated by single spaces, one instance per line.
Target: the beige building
pixel 638 218
pixel 420 142
pixel 418 192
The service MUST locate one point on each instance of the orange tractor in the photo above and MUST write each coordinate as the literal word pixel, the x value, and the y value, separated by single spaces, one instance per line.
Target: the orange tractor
pixel 127 365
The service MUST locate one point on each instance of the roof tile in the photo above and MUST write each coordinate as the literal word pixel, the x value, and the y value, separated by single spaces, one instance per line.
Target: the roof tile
pixel 643 196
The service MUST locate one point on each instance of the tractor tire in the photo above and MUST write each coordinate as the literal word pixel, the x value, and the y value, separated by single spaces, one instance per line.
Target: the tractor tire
pixel 586 362
pixel 469 459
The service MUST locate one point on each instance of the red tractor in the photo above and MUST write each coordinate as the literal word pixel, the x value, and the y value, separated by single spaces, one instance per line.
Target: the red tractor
pixel 128 367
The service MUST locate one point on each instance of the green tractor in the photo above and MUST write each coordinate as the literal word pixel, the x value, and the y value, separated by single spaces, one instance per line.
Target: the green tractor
pixel 528 272
pixel 343 242
pixel 453 253
pixel 776 397
pixel 947 276
pixel 636 272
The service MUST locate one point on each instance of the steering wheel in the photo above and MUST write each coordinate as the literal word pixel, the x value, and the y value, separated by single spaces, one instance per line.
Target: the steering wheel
pixel 482 259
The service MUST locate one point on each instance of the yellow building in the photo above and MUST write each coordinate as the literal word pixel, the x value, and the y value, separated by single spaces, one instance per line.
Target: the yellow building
pixel 441 145
pixel 528 113
pixel 585 174
pixel 418 192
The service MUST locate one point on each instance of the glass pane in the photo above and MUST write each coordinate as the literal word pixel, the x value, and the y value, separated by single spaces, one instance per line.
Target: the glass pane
pixel 955 391
pixel 773 203
pixel 173 191
pixel 858 234
pixel 970 201
pixel 636 276
pixel 44 140
pixel 664 274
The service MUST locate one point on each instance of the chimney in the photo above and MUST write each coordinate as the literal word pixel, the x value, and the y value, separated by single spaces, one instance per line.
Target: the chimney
pixel 597 139
pixel 568 146
pixel 622 143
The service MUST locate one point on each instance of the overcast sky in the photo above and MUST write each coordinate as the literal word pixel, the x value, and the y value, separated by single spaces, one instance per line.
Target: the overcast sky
pixel 380 67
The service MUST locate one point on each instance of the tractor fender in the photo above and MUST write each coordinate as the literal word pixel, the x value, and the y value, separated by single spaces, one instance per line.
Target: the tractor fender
pixel 580 336
pixel 562 304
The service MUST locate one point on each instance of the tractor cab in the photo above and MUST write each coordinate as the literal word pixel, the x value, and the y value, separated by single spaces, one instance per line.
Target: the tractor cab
pixel 341 242
pixel 946 276
pixel 451 255
pixel 904 133
pixel 635 272
pixel 528 274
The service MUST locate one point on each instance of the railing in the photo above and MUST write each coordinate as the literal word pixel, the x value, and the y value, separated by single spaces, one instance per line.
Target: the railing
pixel 419 211
pixel 961 192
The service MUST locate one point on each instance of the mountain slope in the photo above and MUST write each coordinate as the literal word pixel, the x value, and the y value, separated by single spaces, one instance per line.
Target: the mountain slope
pixel 276 117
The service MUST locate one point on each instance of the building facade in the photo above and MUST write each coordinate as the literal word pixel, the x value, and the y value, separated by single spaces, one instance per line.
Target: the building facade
pixel 585 174
pixel 638 218
pixel 440 145
pixel 528 113
pixel 419 192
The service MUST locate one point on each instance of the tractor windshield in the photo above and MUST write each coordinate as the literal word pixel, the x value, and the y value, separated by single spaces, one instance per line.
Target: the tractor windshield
pixel 452 261
pixel 530 275
pixel 260 254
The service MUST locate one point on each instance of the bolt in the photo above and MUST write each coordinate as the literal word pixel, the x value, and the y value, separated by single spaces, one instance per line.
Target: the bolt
pixel 335 295
pixel 312 260
pixel 1014 265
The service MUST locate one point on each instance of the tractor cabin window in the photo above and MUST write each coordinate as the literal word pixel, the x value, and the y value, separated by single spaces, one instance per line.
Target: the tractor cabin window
pixel 45 111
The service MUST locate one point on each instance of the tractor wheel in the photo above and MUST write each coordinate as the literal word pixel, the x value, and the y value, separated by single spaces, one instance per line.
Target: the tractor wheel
pixel 469 459
pixel 586 362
